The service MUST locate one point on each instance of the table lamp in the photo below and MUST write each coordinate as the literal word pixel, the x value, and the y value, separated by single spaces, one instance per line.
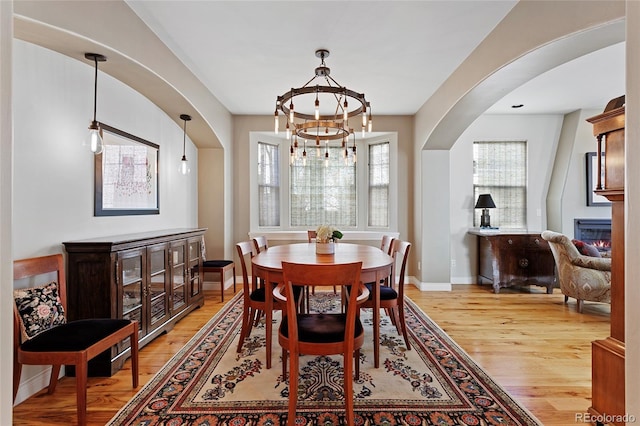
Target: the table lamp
pixel 485 202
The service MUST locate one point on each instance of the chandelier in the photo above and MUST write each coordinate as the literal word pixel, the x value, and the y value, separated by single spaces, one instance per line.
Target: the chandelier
pixel 320 112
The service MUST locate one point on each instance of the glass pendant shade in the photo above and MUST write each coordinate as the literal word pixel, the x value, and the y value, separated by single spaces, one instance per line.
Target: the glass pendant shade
pixel 184 165
pixel 95 139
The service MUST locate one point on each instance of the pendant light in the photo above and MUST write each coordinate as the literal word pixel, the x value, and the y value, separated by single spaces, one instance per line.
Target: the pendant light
pixel 95 138
pixel 184 164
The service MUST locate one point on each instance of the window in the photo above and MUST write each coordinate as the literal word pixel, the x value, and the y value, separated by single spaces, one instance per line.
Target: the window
pixel 323 191
pixel 379 185
pixel 500 169
pixel 268 184
pixel 286 197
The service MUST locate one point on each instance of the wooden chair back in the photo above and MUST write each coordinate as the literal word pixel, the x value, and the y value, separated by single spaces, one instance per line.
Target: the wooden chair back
pixel 400 251
pixel 245 248
pixel 311 235
pixel 387 243
pixel 260 243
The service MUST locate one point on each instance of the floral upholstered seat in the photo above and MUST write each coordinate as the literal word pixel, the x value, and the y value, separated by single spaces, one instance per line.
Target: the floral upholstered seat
pixel 581 277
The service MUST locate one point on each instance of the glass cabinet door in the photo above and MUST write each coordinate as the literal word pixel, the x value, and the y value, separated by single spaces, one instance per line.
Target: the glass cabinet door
pixel 157 283
pixel 178 257
pixel 195 279
pixel 131 266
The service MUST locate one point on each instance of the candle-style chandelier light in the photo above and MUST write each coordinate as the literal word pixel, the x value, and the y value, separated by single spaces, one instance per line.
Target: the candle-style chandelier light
pixel 320 112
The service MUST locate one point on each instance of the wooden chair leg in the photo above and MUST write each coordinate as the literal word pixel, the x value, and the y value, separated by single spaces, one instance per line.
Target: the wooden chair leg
pixel 247 320
pixel 393 316
pixel 134 356
pixel 53 381
pixel 356 355
pixel 348 388
pixel 234 279
pixel 308 304
pixel 17 372
pixel 81 391
pixel 403 325
pixel 284 364
pixel 293 388
pixel 256 320
pixel 221 285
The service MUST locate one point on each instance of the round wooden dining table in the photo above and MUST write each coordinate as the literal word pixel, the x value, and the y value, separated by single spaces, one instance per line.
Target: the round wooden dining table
pixel 376 267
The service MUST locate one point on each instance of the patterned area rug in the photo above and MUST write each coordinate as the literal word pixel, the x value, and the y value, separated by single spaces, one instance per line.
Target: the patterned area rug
pixel 208 383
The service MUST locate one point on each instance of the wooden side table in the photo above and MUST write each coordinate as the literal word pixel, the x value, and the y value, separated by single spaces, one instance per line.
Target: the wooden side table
pixel 507 259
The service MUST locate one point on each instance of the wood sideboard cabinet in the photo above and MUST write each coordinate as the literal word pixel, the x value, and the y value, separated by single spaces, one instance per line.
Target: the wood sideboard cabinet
pixel 150 277
pixel 508 259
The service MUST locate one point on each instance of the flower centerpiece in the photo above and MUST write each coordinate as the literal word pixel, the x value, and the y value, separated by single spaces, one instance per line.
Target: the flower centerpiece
pixel 326 236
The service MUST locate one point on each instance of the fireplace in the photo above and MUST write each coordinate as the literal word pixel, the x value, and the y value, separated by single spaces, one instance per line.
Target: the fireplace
pixel 596 232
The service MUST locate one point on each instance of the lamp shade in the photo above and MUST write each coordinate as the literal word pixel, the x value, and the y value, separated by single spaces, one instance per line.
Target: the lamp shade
pixel 485 202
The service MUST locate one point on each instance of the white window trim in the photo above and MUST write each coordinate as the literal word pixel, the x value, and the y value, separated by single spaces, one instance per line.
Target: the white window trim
pixel 361 231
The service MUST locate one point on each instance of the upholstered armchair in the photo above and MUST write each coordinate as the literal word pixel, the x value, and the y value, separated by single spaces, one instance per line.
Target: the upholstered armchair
pixel 581 277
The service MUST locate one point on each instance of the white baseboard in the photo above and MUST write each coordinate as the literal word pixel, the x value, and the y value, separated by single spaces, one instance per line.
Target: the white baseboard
pixel 215 285
pixel 34 384
pixel 464 280
pixel 422 286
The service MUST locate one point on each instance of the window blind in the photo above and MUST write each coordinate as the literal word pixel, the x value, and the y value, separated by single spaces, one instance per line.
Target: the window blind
pixel 379 185
pixel 268 184
pixel 500 169
pixel 323 193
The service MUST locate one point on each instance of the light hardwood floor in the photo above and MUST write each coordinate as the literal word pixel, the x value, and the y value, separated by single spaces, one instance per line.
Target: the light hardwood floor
pixel 535 346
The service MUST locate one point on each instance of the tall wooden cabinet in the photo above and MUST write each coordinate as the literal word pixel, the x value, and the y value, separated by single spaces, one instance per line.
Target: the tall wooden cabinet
pixel 608 355
pixel 150 277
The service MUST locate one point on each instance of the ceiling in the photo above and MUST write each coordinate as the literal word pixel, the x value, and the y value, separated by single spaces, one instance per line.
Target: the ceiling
pixel 397 52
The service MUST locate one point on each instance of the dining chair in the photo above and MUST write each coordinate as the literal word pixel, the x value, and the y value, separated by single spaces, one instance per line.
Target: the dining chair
pixel 218 266
pixel 321 333
pixel 392 292
pixel 254 300
pixel 42 335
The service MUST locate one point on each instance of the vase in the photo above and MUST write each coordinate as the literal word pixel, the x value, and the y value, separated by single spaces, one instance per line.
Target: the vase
pixel 325 248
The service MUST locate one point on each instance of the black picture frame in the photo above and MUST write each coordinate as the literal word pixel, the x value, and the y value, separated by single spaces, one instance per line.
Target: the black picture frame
pixel 126 175
pixel 593 199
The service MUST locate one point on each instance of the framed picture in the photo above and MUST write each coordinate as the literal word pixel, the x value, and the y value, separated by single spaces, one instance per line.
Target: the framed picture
pixel 594 199
pixel 126 175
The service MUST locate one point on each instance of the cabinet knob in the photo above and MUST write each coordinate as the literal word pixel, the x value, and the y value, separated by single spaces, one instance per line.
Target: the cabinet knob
pixel 524 262
pixel 510 241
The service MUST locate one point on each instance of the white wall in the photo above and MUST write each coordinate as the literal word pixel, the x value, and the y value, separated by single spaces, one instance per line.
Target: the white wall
pixel 53 172
pixel 573 201
pixel 541 133
pixel 6 271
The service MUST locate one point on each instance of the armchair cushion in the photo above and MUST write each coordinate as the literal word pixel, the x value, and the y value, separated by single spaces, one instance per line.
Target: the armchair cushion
pixel 40 309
